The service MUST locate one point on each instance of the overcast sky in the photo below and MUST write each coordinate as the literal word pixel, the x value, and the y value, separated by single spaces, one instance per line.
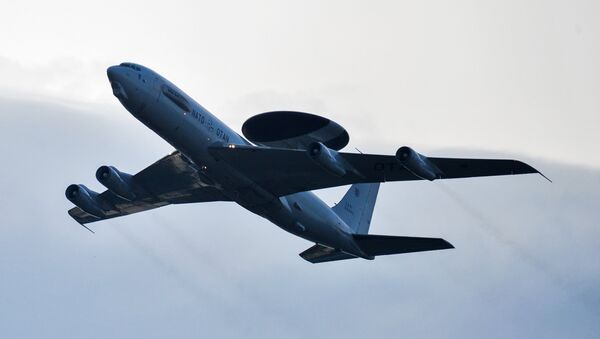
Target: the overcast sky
pixel 518 76
pixel 508 78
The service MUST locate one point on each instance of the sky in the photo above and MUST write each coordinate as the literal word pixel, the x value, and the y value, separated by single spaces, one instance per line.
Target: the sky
pixel 468 78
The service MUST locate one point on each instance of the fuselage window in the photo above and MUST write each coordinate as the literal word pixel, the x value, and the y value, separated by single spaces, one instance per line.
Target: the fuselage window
pixel 132 66
pixel 176 98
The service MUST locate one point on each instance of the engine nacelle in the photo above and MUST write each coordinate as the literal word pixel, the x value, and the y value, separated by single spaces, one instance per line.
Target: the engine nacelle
pixel 84 198
pixel 117 182
pixel 327 158
pixel 417 164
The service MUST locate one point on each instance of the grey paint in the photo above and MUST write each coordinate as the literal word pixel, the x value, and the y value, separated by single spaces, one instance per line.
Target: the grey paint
pixel 203 142
pixel 163 107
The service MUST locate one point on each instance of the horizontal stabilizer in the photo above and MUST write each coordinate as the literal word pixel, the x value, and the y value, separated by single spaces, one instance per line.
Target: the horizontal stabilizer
pixel 375 245
pixel 320 253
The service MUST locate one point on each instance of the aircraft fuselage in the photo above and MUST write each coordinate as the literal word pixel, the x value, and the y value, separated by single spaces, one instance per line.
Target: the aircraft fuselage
pixel 191 129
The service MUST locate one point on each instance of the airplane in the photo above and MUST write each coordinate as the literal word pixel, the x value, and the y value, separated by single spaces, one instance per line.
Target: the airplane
pixel 271 172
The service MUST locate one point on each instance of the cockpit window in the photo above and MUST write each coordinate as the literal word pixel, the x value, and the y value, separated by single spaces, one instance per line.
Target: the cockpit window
pixel 132 66
pixel 176 98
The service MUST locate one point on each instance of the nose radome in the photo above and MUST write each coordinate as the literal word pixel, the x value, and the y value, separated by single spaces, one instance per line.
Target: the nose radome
pixel 115 77
pixel 111 72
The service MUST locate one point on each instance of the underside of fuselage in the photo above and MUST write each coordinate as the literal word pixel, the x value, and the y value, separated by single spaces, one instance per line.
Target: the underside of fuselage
pixel 191 129
pixel 291 154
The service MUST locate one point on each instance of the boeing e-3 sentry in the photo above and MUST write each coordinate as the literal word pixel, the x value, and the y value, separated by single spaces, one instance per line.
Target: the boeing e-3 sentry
pixel 270 172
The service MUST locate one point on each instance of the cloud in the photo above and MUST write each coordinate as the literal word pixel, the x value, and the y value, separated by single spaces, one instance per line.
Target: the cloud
pixel 523 264
pixel 59 80
pixel 422 75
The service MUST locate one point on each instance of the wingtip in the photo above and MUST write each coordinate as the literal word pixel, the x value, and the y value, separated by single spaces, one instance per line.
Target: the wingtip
pixel 87 228
pixel 532 169
pixel 545 177
pixel 443 244
pixel 79 222
pixel 540 173
pixel 449 245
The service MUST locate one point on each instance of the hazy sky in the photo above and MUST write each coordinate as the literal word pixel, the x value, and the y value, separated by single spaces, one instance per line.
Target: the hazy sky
pixel 524 263
pixel 516 76
pixel 509 78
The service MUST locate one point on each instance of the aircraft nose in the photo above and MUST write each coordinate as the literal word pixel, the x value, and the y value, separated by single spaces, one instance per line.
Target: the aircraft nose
pixel 111 72
pixel 114 76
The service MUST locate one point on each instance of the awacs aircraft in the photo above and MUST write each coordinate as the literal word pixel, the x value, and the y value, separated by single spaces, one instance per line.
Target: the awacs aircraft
pixel 271 172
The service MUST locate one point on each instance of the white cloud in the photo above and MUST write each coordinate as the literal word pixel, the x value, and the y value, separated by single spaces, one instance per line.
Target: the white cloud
pixel 509 77
pixel 523 253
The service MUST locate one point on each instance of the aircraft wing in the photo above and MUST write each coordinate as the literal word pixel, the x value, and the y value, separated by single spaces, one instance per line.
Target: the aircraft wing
pixel 170 180
pixel 287 171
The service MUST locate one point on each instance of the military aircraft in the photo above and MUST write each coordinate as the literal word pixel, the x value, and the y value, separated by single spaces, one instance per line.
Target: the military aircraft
pixel 271 172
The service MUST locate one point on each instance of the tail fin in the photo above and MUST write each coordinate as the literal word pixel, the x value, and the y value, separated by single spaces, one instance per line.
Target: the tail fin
pixel 356 207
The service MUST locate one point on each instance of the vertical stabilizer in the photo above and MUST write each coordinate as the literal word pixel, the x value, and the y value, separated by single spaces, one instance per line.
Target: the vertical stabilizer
pixel 356 207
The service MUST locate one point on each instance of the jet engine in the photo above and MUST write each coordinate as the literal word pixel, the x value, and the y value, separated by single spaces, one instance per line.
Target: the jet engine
pixel 117 182
pixel 327 158
pixel 418 164
pixel 84 198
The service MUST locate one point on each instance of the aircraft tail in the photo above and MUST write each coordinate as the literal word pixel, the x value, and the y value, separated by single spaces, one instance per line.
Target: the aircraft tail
pixel 356 207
